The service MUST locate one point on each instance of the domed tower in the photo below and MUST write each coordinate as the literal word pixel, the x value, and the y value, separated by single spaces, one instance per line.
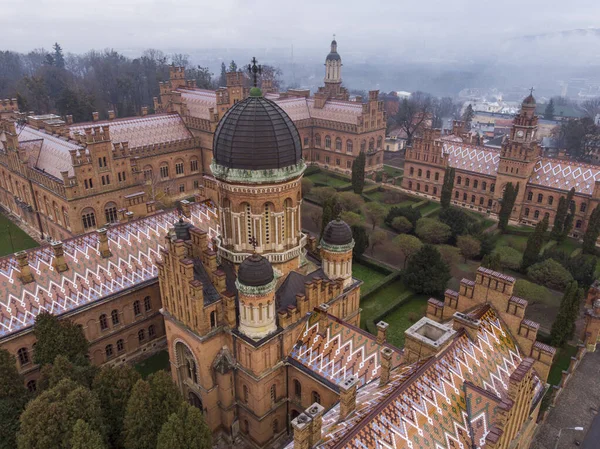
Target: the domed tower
pixel 336 251
pixel 256 291
pixel 257 162
pixel 333 65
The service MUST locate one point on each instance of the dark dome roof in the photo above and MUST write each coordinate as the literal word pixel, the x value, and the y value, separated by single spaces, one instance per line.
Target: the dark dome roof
pixel 255 271
pixel 333 56
pixel 337 232
pixel 529 100
pixel 256 134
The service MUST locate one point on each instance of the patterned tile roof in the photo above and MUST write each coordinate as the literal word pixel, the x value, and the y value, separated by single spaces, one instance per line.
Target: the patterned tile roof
pixel 472 157
pixel 141 131
pixel 342 350
pixel 424 405
pixel 135 248
pixel 199 101
pixel 336 111
pixel 563 175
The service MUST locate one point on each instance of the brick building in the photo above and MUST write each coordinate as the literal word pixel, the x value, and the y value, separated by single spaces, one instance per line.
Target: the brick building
pixel 482 173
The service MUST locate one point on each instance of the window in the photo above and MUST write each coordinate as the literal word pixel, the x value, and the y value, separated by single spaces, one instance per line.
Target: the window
pixel 412 171
pixel 181 188
pixel 196 184
pixel 102 162
pixel 305 142
pixel 467 182
pixel 103 322
pixel 527 212
pixel 459 180
pixel 536 214
pixel 530 196
pixel 136 308
pixel 483 186
pixel 371 144
pixel 428 174
pixel 418 186
pixel 456 194
pixel 409 185
pixel 179 168
pixel 317 140
pixel 110 213
pixel 465 196
pixel 475 183
pixel 105 180
pixel 275 427
pixel 492 187
pixel 246 394
pixel 540 198
pixel 109 351
pixel 472 198
pixel 427 187
pixel 547 215
pixel 583 207
pixel 66 218
pixel 32 386
pixel 481 201
pixel 550 200
pixel 147 303
pixel 316 397
pixel 437 176
pixel 147 173
pixel 88 217
pixel 273 394
pixel 164 171
pixel 338 144
pixel 151 331
pixel 297 389
pixel 327 142
pixel 327 159
pixel 379 142
pixel 194 165
pixel 490 202
pixel 337 161
pixel 349 146
pixel 213 319
pixel 363 146
pixel 141 335
pixel 23 355
pixel 435 190
pixel 420 173
pixel 348 164
pixel 578 224
pixel 120 345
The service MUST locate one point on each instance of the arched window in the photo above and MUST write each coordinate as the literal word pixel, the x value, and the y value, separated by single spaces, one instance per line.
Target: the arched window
pixel 248 217
pixel 297 389
pixel 114 315
pixel 109 351
pixel 465 196
pixel 456 194
pixel 371 144
pixel 379 142
pixel 103 322
pixel 327 142
pixel 428 174
pixel 147 173
pixel 426 187
pixel 483 186
pixel 412 171
pixel 136 308
pixel 88 217
pixel 547 215
pixel 363 146
pixel 492 187
pixel 419 173
pixel 409 185
pixel 316 397
pixel 23 355
pixel 540 198
pixel 527 212
pixel 66 220
pixel 179 170
pixel 349 146
pixel 490 202
pixel 147 303
pixel 120 345
pixel 275 427
pixel 32 386
pixel 467 182
pixel 267 222
pixel 583 207
pixel 475 183
pixel 481 201
pixel 213 319
pixel 194 400
pixel 459 180
pixel 110 212
pixel 56 211
pixel 550 200
pixel 164 170
pixel 338 144
pixel 141 335
pixel 418 187
pixel 273 394
pixel 151 331
pixel 194 164
pixel 435 190
pixel 246 394
pixel 437 176
pixel 317 140
pixel 578 224
pixel 472 198
pixel 536 214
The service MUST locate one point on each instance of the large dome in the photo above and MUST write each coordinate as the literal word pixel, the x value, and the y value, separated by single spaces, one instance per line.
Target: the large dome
pixel 256 134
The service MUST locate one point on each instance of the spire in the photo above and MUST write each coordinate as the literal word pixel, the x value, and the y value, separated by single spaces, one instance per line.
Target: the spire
pixel 255 71
pixel 333 45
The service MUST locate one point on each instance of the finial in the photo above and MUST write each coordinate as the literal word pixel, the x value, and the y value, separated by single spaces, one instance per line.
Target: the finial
pixel 254 71
pixel 252 240
pixel 333 36
pixel 531 91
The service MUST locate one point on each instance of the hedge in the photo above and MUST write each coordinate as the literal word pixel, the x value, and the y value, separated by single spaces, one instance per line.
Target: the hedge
pixel 379 285
pixel 420 204
pixel 395 304
pixel 377 265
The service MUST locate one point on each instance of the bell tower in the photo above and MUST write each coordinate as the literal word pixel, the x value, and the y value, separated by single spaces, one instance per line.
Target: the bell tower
pixel 333 65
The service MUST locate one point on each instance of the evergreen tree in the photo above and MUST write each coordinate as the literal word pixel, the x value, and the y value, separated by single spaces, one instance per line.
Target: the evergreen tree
pixel 592 232
pixel 492 261
pixel 84 437
pixel 564 324
pixel 447 187
pixel 232 66
pixel 329 207
pixel 427 273
pixel 361 241
pixel 535 242
pixel 58 337
pixel 59 58
pixel 13 397
pixel 358 173
pixel 223 76
pixel 563 221
pixel 185 429
pixel 457 219
pixel 508 202
pixel 63 368
pixel 549 111
pixel 488 243
pixel 467 117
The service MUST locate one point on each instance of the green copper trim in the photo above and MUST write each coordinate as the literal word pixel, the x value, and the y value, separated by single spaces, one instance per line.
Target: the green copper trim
pixel 257 176
pixel 261 290
pixel 255 92
pixel 337 248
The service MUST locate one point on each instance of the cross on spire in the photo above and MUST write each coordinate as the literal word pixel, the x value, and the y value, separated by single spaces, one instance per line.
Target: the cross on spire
pixel 531 91
pixel 254 71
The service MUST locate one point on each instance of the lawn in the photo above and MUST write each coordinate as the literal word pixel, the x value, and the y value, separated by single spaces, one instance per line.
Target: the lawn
pixel 561 363
pixel 368 275
pixel 429 208
pixel 13 238
pixel 518 242
pixel 327 179
pixel 153 364
pixel 568 245
pixel 393 171
pixel 377 303
pixel 403 317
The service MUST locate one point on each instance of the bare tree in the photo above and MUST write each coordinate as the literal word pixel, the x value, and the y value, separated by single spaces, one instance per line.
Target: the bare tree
pixel 591 107
pixel 414 114
pixel 159 190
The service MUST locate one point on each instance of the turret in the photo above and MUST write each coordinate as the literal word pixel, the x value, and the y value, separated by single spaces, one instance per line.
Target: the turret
pixel 333 65
pixel 336 251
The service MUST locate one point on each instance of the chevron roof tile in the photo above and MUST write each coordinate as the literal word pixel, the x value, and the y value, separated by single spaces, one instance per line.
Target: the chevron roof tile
pixel 472 157
pixel 564 175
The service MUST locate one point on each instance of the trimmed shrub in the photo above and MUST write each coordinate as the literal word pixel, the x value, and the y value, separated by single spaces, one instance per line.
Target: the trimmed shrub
pixel 509 257
pixel 550 273
pixel 530 291
pixel 432 231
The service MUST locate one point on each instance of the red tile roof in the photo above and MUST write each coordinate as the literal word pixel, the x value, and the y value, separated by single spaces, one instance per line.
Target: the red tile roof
pixel 472 157
pixel 564 175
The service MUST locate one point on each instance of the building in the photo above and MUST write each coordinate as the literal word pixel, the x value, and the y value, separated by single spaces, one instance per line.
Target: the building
pixel 62 179
pixel 482 173
pixel 472 375
pixel 333 129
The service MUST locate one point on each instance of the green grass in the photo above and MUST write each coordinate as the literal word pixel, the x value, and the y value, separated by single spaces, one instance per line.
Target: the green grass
pixel 518 242
pixel 377 303
pixel 153 364
pixel 368 275
pixel 403 317
pixel 429 208
pixel 486 223
pixel 525 229
pixel 393 171
pixel 568 245
pixel 561 363
pixel 13 238
pixel 324 178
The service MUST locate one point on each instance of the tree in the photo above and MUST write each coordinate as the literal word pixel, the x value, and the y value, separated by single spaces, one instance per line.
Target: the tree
pixel 307 185
pixel 447 187
pixel 223 75
pixel 427 273
pixel 352 218
pixel 550 273
pixel 572 135
pixel 271 75
pixel 508 202
pixel 469 246
pixel 13 397
pixel 84 437
pixel 443 108
pixel 408 245
pixel 492 261
pixel 328 213
pixel 450 254
pixel 456 219
pixel 49 419
pixel 361 241
pixel 467 117
pixel 185 429
pixel 358 173
pixel 113 386
pixel 549 111
pixel 413 114
pixel 488 243
pixel 402 225
pixel 591 107
pixel 509 257
pixel 530 291
pixel 59 58
pixel 564 324
pixel 535 242
pixel 63 368
pixel 232 66
pixel 432 231
pixel 563 221
pixel 376 238
pixel 322 194
pixel 203 77
pixel 350 202
pixel 592 232
pixel 411 214
pixel 583 269
pixel 58 337
pixel 375 213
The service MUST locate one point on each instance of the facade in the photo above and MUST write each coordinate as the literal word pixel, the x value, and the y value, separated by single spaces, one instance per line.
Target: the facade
pixel 62 179
pixel 482 173
pixel 333 129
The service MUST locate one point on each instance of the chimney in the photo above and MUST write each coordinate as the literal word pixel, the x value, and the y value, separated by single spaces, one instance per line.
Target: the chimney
pixel 323 318
pixel 59 257
pixel 381 332
pixel 95 116
pixel 144 111
pixel 386 366
pixel 315 413
pixel 185 208
pixel 69 119
pixel 129 215
pixel 302 427
pixel 111 114
pixel 469 324
pixel 25 276
pixel 103 243
pixel 348 396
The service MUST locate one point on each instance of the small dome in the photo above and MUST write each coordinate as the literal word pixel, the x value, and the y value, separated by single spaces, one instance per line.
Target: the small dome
pixel 337 232
pixel 333 56
pixel 256 134
pixel 529 100
pixel 255 271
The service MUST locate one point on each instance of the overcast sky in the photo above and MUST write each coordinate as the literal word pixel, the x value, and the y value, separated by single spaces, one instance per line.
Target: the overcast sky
pixel 369 25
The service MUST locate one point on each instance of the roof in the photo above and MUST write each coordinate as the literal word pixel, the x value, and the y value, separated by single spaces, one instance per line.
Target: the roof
pixel 294 284
pixel 255 271
pixel 199 101
pixel 338 351
pixel 141 131
pixel 473 158
pixel 135 248
pixel 564 174
pixel 337 232
pixel 424 404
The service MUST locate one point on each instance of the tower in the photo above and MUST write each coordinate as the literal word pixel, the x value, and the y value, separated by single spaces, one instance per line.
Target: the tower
pixel 336 251
pixel 333 65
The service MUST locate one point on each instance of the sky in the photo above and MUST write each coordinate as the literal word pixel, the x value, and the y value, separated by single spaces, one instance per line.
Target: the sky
pixel 425 27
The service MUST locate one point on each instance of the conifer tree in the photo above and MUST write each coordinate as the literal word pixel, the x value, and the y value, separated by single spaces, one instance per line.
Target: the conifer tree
pixel 84 437
pixel 592 232
pixel 446 194
pixel 535 242
pixel 426 272
pixel 13 397
pixel 508 202
pixel 467 117
pixel 185 428
pixel 358 173
pixel 549 111
pixel 59 57
pixel 361 241
pixel 58 337
pixel 564 324
pixel 563 219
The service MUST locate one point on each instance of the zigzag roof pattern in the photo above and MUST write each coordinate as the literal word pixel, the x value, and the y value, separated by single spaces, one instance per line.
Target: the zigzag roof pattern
pixel 340 351
pixel 564 175
pixel 135 248
pixel 472 157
